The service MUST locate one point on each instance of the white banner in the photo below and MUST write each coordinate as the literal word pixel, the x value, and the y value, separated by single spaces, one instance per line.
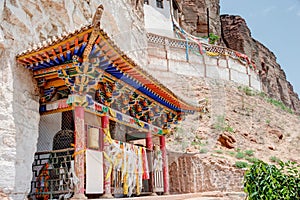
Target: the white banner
pixel 94 172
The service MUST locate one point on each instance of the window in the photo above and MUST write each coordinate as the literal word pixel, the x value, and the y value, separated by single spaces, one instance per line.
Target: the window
pixel 159 3
pixel 146 2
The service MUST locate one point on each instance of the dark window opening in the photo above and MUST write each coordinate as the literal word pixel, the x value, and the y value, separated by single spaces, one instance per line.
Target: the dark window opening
pixel 159 3
pixel 146 2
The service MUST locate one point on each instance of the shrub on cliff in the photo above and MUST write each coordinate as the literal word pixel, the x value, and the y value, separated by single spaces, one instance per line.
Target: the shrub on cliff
pixel 264 181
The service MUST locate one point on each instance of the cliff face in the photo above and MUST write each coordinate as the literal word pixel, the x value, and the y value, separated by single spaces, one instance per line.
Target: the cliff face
pixel 194 16
pixel 236 35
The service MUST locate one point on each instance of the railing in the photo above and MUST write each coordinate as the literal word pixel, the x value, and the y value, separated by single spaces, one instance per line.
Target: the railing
pixel 53 175
pixel 218 50
pixel 158 181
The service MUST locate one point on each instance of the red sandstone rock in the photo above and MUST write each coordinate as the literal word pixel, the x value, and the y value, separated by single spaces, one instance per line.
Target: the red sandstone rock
pixel 227 140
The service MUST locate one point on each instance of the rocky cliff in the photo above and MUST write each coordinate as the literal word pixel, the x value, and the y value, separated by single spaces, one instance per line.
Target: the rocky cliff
pixel 194 16
pixel 236 35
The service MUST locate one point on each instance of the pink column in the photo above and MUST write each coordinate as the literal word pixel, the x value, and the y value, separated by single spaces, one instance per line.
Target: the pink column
pixel 163 149
pixel 107 183
pixel 149 146
pixel 149 143
pixel 80 145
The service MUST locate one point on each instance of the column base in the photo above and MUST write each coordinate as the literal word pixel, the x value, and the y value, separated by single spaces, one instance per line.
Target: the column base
pixel 166 193
pixel 79 197
pixel 153 194
pixel 107 196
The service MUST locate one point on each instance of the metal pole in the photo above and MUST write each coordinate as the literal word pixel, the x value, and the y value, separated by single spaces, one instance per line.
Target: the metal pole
pixel 207 17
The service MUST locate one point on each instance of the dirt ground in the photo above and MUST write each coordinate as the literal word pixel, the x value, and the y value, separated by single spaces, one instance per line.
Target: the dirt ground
pixel 194 196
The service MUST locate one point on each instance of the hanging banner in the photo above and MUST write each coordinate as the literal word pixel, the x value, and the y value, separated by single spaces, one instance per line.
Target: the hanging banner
pixel 94 172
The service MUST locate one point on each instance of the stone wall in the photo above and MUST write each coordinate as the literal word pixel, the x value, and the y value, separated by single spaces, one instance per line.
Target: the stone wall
pixel 190 173
pixel 24 22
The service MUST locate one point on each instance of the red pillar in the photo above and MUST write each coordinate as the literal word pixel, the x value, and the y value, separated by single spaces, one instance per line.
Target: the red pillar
pixel 80 145
pixel 149 146
pixel 162 141
pixel 107 183
pixel 149 143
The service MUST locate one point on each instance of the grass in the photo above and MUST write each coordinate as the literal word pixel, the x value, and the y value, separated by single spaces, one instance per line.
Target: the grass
pixel 251 159
pixel 231 153
pixel 197 142
pixel 249 92
pixel 274 159
pixel 219 151
pixel 229 129
pixel 262 94
pixel 221 125
pixel 279 104
pixel 249 152
pixel 240 155
pixel 203 150
pixel 241 164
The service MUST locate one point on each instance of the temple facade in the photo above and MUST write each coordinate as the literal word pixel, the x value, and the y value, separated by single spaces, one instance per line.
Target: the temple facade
pixel 103 119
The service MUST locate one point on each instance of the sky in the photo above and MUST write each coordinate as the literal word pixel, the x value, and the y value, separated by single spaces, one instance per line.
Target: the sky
pixel 276 24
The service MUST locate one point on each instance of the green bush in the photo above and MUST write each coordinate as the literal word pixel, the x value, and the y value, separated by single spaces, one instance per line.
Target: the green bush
pixel 264 181
pixel 213 38
pixel 240 164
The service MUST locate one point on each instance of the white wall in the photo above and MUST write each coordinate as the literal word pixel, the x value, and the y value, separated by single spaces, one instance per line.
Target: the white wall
pixel 173 60
pixel 164 11
pixel 158 20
